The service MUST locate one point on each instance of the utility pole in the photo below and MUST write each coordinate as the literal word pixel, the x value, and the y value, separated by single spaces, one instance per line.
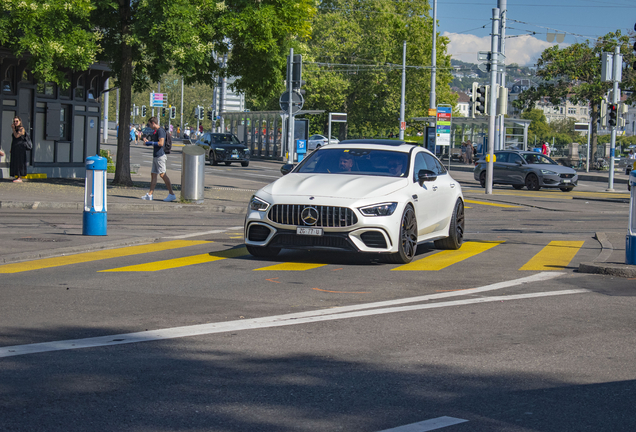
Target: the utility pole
pixel 502 49
pixel 181 122
pixel 616 77
pixel 222 97
pixel 290 117
pixel 494 47
pixel 105 131
pixel 159 109
pixel 403 91
pixel 432 103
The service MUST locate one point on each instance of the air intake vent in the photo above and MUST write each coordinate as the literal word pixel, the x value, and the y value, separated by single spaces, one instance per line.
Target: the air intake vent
pixel 327 216
pixel 374 239
pixel 258 233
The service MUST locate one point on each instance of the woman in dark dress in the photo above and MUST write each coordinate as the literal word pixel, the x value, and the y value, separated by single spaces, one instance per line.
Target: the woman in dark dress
pixel 18 166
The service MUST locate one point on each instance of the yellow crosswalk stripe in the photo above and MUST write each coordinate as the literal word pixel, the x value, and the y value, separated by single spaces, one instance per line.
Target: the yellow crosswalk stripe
pixel 291 266
pixel 555 256
pixel 182 262
pixel 96 256
pixel 443 259
pixel 490 204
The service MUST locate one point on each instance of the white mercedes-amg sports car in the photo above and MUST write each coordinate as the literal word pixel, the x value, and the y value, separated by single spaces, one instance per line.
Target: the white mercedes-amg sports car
pixel 374 196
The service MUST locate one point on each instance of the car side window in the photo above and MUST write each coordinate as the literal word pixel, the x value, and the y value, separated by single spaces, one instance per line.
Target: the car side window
pixel 420 164
pixel 206 139
pixel 433 164
pixel 515 158
pixel 501 157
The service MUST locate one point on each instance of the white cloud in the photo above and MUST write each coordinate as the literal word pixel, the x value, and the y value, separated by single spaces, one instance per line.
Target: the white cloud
pixel 523 50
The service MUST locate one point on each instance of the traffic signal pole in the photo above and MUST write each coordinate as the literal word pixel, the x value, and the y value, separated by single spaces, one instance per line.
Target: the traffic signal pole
pixel 403 91
pixel 494 49
pixel 290 114
pixel 618 64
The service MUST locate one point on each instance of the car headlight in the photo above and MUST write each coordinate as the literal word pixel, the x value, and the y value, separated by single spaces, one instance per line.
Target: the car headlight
pixel 219 149
pixel 384 209
pixel 258 204
pixel 545 171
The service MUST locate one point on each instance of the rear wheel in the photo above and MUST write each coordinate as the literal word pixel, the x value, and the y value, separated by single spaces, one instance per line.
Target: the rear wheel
pixel 262 251
pixel 532 182
pixel 227 163
pixel 566 189
pixel 244 164
pixel 455 231
pixel 482 179
pixel 408 239
pixel 517 186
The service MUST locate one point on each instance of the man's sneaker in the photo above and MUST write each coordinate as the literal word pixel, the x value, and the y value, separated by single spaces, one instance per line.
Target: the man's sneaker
pixel 147 197
pixel 170 197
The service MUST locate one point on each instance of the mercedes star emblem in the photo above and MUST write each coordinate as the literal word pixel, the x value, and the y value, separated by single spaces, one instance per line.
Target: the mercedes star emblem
pixel 309 215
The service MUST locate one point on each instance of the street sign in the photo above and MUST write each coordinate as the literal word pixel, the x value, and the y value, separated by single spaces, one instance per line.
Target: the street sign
pixel 443 125
pixel 158 100
pixel 432 112
pixel 484 67
pixel 297 102
pixel 483 56
pixel 402 125
pixel 338 117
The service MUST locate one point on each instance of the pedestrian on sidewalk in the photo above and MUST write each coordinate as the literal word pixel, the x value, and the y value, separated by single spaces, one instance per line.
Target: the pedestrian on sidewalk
pixel 18 166
pixel 159 159
pixel 133 134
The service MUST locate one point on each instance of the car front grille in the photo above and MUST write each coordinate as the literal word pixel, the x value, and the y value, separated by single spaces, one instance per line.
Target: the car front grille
pixel 566 176
pixel 298 241
pixel 328 216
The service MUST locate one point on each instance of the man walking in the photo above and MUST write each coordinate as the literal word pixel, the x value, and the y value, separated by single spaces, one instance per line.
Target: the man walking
pixel 159 159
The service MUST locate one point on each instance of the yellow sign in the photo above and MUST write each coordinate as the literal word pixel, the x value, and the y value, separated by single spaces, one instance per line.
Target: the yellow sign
pixel 494 158
pixel 432 112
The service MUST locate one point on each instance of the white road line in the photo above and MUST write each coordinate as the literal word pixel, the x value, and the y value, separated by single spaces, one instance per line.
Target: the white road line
pixel 248 324
pixel 427 425
pixel 205 233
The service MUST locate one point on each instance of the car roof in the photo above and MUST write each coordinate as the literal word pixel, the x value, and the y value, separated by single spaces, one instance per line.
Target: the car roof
pixel 374 141
pixel 380 144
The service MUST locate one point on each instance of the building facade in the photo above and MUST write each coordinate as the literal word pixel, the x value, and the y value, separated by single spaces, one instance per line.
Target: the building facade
pixel 63 123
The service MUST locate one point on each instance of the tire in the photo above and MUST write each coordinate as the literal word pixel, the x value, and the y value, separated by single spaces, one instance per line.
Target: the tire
pixel 532 182
pixel 566 189
pixel 482 179
pixel 455 231
pixel 227 163
pixel 262 251
pixel 213 160
pixel 245 164
pixel 518 186
pixel 407 246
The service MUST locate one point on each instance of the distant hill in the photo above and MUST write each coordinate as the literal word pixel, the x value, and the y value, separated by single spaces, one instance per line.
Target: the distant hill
pixel 471 73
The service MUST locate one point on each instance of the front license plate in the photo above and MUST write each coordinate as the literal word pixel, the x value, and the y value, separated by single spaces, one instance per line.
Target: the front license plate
pixel 567 181
pixel 309 231
pixel 235 156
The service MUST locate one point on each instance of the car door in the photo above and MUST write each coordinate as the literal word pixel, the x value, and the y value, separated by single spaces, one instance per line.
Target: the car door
pixel 516 171
pixel 422 196
pixel 499 174
pixel 443 193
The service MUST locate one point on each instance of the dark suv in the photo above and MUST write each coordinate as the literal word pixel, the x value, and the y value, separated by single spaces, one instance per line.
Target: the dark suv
pixel 525 168
pixel 224 147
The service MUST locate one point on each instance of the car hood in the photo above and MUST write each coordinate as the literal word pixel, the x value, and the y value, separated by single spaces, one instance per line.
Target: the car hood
pixel 334 185
pixel 559 169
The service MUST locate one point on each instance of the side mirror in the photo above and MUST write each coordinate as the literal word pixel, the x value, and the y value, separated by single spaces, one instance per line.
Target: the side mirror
pixel 519 162
pixel 287 168
pixel 425 176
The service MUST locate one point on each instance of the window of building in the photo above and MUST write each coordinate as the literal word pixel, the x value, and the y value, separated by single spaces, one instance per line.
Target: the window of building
pixel 65 117
pixel 79 88
pixel 65 92
pixel 571 110
pixel 93 91
pixel 561 110
pixel 8 83
pixel 46 89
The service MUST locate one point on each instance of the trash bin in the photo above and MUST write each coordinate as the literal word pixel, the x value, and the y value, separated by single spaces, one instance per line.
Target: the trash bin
pixel 192 174
pixel 95 216
pixel 301 149
pixel 630 241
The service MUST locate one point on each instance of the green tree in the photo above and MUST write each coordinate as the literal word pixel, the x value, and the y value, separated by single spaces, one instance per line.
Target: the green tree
pixel 539 128
pixel 574 73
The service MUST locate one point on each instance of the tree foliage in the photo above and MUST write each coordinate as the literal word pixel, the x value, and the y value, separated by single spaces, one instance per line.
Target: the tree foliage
pixel 574 73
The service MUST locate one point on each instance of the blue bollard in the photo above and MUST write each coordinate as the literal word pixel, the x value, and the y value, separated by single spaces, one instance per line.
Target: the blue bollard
pixel 94 222
pixel 630 241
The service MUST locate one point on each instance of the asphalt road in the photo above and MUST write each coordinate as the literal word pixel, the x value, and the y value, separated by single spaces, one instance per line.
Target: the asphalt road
pixel 507 336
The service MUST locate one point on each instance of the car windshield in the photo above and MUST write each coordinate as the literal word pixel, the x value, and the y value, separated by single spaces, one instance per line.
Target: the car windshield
pixel 224 139
pixel 357 162
pixel 538 158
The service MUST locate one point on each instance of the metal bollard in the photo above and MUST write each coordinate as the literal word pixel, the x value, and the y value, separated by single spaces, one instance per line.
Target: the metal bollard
pixel 95 217
pixel 192 174
pixel 630 240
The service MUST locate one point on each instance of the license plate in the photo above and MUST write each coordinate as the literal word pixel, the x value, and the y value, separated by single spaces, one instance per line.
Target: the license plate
pixel 235 156
pixel 309 231
pixel 567 181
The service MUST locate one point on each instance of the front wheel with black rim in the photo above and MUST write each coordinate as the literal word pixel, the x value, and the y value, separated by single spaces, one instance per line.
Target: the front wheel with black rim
pixel 407 246
pixel 482 179
pixel 245 164
pixel 532 182
pixel 213 160
pixel 517 186
pixel 455 231
pixel 262 251
pixel 566 189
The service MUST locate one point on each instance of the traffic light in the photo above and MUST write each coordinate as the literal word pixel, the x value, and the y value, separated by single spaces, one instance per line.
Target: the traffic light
pixel 480 99
pixel 143 110
pixel 297 73
pixel 173 112
pixel 163 112
pixel 200 112
pixel 210 115
pixel 611 115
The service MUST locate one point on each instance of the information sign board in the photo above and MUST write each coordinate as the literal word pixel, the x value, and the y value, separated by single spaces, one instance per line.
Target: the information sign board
pixel 443 125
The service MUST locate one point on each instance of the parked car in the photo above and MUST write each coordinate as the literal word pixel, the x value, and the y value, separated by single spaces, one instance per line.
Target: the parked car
pixel 147 132
pixel 317 141
pixel 224 147
pixel 376 196
pixel 525 168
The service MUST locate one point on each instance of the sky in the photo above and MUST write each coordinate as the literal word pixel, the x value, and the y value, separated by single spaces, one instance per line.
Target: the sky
pixel 468 25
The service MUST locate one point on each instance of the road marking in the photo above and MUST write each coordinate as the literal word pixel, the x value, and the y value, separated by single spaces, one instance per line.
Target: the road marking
pixel 181 262
pixel 97 255
pixel 490 204
pixel 555 256
pixel 342 292
pixel 202 233
pixel 291 266
pixel 427 425
pixel 352 311
pixel 443 259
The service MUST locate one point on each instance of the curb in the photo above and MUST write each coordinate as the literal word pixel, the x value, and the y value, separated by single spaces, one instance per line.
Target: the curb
pixel 76 249
pixel 609 269
pixel 42 205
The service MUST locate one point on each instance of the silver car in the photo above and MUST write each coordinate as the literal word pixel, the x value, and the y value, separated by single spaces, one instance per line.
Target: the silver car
pixel 317 141
pixel 525 168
